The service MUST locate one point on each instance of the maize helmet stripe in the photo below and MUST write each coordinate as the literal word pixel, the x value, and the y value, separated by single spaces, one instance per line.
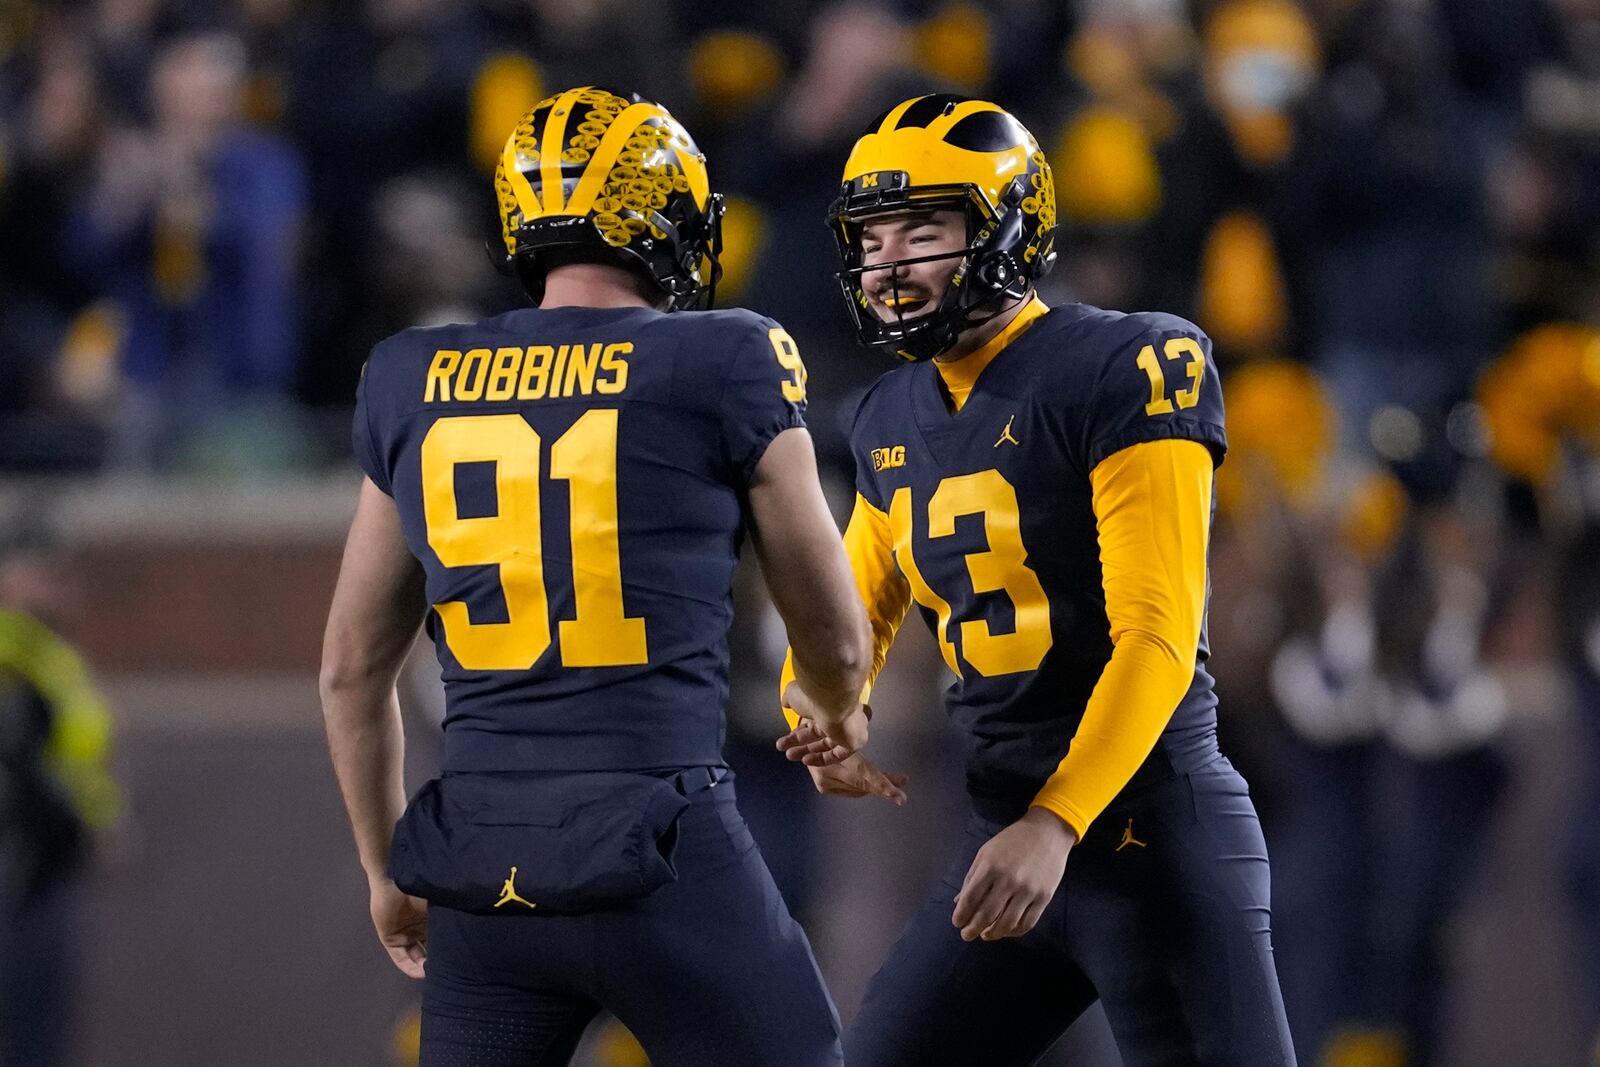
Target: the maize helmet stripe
pixel 555 131
pixel 921 148
pixel 605 157
pixel 521 188
pixel 895 112
pixel 694 170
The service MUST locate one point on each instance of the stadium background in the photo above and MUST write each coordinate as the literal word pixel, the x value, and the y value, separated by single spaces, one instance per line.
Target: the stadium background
pixel 1386 214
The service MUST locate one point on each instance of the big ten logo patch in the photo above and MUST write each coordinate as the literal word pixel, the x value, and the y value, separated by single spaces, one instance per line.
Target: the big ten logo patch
pixel 885 458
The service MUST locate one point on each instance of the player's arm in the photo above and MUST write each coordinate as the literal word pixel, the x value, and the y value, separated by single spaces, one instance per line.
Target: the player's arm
pixel 869 546
pixel 377 607
pixel 1152 505
pixel 810 582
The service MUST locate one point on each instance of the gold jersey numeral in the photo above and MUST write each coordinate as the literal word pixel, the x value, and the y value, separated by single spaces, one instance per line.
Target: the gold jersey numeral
pixel 601 635
pixel 1186 348
pixel 512 539
pixel 788 353
pixel 1002 567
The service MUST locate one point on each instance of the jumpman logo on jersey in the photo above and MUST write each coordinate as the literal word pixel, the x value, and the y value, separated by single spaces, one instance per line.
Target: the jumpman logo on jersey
pixel 1005 434
pixel 508 892
pixel 1129 839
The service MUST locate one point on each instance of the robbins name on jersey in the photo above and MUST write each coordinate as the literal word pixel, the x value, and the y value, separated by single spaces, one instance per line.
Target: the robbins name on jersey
pixel 534 372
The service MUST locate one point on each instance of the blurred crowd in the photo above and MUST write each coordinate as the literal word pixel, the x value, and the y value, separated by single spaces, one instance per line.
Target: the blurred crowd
pixel 1386 213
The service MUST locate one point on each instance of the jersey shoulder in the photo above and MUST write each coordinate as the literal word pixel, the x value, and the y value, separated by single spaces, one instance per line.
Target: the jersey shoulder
pixel 715 341
pixel 729 322
pixel 398 358
pixel 1082 342
pixel 733 357
pixel 1131 377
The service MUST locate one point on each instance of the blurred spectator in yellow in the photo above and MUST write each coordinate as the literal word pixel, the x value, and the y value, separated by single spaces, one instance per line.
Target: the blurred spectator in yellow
pixel 1129 90
pixel 55 734
pixel 1242 298
pixel 733 75
pixel 504 84
pixel 955 46
pixel 194 226
pixel 1282 426
pixel 1261 58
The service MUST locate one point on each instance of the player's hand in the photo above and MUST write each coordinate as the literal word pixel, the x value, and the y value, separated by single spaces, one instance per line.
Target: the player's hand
pixel 1013 877
pixel 402 923
pixel 859 777
pixel 807 744
pixel 853 776
pixel 835 735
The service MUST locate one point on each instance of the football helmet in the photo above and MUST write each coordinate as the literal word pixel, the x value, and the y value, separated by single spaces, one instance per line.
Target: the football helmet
pixel 944 151
pixel 616 174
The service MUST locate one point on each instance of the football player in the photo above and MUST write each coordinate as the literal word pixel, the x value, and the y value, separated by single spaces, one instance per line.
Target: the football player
pixel 561 491
pixel 1038 482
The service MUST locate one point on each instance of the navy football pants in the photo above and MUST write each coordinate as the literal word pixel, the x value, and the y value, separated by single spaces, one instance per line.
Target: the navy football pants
pixel 1171 930
pixel 706 971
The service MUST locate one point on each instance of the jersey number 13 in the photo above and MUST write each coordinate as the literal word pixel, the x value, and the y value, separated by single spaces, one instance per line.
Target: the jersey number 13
pixel 1001 567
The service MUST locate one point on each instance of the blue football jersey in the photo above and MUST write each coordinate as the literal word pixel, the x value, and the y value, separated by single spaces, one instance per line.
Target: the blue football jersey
pixel 992 516
pixel 572 481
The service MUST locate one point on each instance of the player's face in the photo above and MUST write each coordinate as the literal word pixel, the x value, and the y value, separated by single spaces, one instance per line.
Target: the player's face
pixel 917 288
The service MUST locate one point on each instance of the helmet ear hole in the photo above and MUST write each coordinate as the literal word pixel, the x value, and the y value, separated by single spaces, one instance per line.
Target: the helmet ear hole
pixel 996 271
pixel 1016 192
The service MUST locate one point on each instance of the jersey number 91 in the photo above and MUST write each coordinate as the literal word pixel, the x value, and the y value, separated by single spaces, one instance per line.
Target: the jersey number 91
pixel 586 458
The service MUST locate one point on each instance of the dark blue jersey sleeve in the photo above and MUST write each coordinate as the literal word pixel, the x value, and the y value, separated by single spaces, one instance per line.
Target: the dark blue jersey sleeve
pixel 763 394
pixel 1160 384
pixel 876 434
pixel 364 438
